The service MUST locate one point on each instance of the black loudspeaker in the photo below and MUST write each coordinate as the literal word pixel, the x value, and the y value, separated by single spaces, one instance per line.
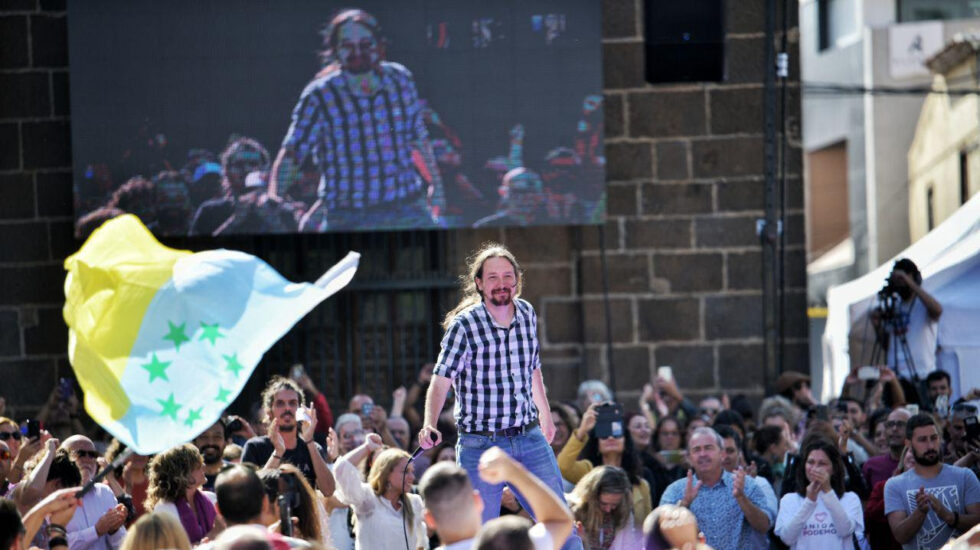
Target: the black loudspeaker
pixel 684 40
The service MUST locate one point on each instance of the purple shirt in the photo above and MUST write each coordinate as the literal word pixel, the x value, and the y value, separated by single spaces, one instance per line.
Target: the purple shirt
pixel 879 468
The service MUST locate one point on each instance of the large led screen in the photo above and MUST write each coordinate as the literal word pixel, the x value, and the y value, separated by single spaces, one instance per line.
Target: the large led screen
pixel 210 117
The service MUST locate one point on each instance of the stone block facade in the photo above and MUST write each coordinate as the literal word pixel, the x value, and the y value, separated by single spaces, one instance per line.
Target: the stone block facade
pixel 686 182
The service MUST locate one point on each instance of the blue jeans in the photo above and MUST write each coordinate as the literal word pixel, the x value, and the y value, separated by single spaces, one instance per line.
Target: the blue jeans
pixel 531 450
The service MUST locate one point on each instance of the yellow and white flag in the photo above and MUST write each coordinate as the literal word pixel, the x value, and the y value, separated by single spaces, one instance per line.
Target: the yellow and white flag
pixel 162 340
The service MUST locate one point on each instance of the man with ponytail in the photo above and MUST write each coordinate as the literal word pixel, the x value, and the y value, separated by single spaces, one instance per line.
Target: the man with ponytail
pixel 490 358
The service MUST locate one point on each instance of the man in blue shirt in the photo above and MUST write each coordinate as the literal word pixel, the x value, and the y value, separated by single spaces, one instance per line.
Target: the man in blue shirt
pixel 729 506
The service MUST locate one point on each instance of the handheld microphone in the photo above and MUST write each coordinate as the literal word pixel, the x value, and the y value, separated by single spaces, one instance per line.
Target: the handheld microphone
pixel 418 450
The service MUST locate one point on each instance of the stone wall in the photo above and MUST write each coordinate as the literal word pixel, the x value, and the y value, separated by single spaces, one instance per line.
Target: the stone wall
pixel 685 172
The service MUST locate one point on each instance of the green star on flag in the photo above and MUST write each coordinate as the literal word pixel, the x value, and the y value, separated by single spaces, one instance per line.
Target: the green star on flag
pixel 157 368
pixel 233 364
pixel 210 332
pixel 154 375
pixel 222 395
pixel 176 334
pixel 193 415
pixel 170 407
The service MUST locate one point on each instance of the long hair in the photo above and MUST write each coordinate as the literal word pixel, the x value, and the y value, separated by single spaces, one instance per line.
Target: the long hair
pixel 585 497
pixel 273 480
pixel 471 294
pixel 171 474
pixel 630 463
pixel 331 33
pixel 381 470
pixel 156 530
pixel 655 439
pixel 836 462
pixel 277 384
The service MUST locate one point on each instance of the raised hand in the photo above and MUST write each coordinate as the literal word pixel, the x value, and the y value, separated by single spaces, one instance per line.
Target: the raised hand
pixel 886 374
pixel 648 393
pixel 589 418
pixel 690 490
pixel 399 393
pixel 333 445
pixel 738 484
pixel 275 436
pixel 495 465
pixel 308 426
pixel 843 436
pixel 373 442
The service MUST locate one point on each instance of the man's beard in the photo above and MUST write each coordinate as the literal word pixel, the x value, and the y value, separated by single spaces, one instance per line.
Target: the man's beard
pixel 288 428
pixel 504 297
pixel 929 458
pixel 211 458
pixel 360 64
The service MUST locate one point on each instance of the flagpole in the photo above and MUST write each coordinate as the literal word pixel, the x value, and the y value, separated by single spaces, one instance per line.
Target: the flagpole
pixel 104 472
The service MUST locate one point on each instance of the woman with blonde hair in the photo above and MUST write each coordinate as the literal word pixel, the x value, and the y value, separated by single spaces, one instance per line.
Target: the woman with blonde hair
pixel 154 531
pixel 602 505
pixel 383 508
pixel 176 478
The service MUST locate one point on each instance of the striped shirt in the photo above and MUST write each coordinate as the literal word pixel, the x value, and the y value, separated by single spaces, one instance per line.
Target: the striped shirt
pixel 360 145
pixel 491 368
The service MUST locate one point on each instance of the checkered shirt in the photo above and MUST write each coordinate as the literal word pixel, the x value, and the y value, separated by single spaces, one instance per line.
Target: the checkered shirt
pixel 360 145
pixel 491 368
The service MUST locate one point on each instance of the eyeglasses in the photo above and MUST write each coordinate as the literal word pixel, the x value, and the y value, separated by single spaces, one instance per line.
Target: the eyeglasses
pixel 7 435
pixel 84 453
pixel 895 423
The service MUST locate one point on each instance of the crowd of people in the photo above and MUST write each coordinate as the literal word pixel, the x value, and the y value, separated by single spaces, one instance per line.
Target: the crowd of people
pixel 792 473
pixel 887 463
pixel 363 151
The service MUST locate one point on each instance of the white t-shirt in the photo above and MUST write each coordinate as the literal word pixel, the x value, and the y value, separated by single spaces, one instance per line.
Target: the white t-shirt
pixel 826 524
pixel 921 337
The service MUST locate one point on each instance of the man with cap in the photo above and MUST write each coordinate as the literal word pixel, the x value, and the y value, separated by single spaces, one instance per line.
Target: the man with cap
pixel 795 386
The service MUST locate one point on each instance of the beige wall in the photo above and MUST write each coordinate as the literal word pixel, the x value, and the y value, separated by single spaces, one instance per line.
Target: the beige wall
pixel 947 127
pixel 827 207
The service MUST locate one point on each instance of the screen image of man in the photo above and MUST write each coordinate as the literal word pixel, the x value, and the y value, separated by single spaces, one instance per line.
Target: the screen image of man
pixel 361 121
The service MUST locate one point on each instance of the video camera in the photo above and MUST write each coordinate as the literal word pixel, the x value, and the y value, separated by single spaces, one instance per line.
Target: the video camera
pixel 889 307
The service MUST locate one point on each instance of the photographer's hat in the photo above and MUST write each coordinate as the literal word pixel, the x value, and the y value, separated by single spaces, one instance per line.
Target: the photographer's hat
pixel 789 379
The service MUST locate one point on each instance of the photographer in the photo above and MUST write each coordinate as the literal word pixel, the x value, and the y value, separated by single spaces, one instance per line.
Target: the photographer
pixel 906 311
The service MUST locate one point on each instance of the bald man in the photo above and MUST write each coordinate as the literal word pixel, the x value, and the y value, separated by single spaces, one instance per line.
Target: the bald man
pixel 98 522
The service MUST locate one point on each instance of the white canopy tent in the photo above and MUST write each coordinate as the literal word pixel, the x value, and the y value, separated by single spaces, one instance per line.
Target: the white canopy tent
pixel 949 259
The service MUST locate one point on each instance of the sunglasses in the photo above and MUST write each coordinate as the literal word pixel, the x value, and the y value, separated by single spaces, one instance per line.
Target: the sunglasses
pixel 7 435
pixel 83 454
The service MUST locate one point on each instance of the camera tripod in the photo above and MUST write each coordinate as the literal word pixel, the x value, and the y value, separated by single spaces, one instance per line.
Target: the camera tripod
pixel 892 337
pixel 880 352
